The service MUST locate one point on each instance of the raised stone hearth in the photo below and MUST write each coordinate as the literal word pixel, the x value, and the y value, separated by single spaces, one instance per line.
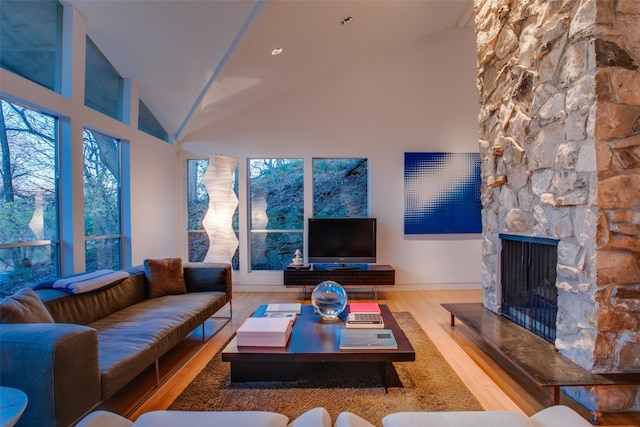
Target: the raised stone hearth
pixel 559 88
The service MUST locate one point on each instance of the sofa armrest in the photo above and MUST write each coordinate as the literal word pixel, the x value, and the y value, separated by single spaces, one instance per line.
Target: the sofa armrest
pixel 56 365
pixel 208 276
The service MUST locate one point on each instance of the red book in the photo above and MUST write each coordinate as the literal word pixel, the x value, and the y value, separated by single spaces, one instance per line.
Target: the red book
pixel 364 307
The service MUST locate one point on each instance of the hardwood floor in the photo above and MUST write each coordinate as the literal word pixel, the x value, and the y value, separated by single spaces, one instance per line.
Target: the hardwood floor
pixel 474 362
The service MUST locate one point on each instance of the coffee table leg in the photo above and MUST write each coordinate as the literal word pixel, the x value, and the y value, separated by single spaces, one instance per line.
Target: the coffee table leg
pixel 382 367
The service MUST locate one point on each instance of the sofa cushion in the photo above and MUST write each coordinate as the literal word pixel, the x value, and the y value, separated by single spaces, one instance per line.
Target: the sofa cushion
pixel 210 418
pixel 559 415
pixel 457 419
pixel 165 277
pixel 349 419
pixel 83 309
pixel 104 419
pixel 133 338
pixel 318 417
pixel 24 307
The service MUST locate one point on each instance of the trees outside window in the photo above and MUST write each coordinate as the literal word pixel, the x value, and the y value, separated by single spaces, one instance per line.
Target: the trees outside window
pixel 340 188
pixel 28 197
pixel 197 205
pixel 102 195
pixel 276 188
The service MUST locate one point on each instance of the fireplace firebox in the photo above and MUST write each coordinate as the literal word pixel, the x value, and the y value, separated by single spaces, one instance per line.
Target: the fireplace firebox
pixel 528 278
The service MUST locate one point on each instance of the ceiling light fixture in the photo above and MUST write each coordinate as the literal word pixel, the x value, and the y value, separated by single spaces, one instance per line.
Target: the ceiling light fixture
pixel 346 21
pixel 277 51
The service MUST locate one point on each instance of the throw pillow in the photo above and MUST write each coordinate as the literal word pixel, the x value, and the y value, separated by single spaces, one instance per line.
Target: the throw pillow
pixel 24 307
pixel 165 277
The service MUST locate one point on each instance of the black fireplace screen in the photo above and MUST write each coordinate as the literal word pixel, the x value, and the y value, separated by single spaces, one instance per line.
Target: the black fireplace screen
pixel 528 276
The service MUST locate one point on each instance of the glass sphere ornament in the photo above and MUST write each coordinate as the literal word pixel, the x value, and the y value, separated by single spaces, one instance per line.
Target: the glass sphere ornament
pixel 329 299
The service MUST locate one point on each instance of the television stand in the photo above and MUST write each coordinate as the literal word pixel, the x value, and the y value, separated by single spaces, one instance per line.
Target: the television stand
pixel 367 275
pixel 340 266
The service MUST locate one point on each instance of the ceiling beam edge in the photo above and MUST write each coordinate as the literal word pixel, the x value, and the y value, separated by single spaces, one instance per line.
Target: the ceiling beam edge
pixel 220 66
pixel 466 15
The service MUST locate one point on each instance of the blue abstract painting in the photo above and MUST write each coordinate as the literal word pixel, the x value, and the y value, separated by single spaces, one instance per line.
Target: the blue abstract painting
pixel 442 193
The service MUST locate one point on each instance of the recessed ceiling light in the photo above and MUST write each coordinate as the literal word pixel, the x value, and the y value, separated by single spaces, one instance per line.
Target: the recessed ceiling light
pixel 277 51
pixel 346 21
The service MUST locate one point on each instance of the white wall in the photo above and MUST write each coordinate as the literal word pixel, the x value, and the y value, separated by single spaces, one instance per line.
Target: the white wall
pixel 155 225
pixel 419 98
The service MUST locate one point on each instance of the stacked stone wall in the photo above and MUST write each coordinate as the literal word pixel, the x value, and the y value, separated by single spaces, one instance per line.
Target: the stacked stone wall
pixel 560 147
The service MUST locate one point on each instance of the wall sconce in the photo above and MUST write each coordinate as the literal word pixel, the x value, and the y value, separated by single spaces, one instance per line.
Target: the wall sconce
pixel 217 222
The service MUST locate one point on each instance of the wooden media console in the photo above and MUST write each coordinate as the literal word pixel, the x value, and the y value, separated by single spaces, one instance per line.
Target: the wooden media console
pixel 368 276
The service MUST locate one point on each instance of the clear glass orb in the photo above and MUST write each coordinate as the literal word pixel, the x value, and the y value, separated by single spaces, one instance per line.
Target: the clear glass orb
pixel 329 299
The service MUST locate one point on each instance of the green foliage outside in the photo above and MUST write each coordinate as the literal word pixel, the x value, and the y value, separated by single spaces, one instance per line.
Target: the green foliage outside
pixel 277 211
pixel 340 188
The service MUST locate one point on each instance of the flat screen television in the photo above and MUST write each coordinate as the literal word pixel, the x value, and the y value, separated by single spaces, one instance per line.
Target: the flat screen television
pixel 341 240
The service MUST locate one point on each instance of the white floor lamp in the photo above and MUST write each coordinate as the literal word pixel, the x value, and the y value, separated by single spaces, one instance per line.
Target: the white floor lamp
pixel 217 222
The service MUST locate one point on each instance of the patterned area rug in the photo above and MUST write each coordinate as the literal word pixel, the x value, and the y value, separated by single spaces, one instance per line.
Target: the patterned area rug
pixel 428 384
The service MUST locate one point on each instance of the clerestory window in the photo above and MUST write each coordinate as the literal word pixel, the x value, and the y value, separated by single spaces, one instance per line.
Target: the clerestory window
pixel 103 88
pixel 148 123
pixel 31 40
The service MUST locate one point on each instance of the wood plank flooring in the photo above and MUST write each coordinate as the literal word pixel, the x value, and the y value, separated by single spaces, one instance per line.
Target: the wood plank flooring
pixel 475 362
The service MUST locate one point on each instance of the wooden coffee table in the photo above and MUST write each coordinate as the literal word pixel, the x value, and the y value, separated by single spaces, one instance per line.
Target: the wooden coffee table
pixel 312 341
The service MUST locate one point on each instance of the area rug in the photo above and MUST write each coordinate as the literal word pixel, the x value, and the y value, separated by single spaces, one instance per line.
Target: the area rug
pixel 428 384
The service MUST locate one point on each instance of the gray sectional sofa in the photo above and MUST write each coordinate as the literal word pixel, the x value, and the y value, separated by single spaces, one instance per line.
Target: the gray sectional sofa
pixel 102 339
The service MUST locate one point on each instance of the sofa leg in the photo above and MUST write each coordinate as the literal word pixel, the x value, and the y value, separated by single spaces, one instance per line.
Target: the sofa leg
pixel 230 313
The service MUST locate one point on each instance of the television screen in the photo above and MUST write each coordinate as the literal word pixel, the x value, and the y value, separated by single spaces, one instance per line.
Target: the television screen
pixel 342 240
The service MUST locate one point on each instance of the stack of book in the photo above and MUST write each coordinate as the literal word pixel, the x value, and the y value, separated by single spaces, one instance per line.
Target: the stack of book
pixel 368 339
pixel 364 316
pixel 264 332
pixel 288 310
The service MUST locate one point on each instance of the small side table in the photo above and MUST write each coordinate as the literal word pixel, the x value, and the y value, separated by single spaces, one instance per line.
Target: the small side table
pixel 12 404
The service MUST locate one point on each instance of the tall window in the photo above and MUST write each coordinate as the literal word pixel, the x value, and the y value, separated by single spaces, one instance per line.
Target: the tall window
pixel 198 202
pixel 102 195
pixel 340 188
pixel 277 211
pixel 28 197
pixel 31 40
pixel 103 85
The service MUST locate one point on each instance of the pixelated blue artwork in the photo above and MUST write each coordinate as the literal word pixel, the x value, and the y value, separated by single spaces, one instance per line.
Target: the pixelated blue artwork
pixel 442 193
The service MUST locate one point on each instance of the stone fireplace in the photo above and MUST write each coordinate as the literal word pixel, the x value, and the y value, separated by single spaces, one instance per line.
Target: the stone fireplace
pixel 559 121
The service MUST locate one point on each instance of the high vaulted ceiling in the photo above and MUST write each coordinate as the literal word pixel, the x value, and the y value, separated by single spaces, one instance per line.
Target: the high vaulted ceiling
pixel 199 61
